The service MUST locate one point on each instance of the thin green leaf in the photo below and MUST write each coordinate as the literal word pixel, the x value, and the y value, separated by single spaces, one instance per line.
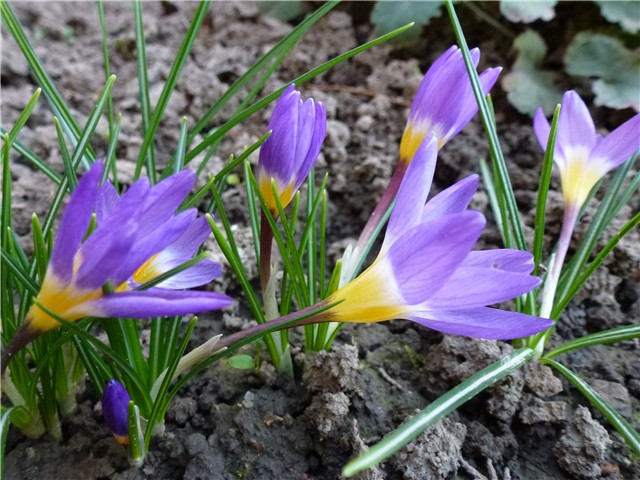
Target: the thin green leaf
pixel 106 63
pixel 24 115
pixel 618 334
pixel 143 88
pixel 283 46
pixel 543 189
pixel 438 409
pixel 69 171
pixel 503 181
pixel 110 159
pixel 623 427
pixel 170 84
pixel 52 95
pixel 604 253
pixel 38 162
pixel 247 112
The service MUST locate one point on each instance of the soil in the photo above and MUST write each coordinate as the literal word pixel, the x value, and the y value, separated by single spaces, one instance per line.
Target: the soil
pixel 255 424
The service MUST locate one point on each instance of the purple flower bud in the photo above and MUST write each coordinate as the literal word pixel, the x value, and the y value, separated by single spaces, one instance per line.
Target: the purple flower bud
pixel 115 408
pixel 297 131
pixel 445 102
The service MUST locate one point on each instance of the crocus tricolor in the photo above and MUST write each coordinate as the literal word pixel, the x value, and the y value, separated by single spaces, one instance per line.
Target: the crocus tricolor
pixel 138 237
pixel 583 158
pixel 115 410
pixel 582 155
pixel 426 271
pixel 297 129
pixel 444 103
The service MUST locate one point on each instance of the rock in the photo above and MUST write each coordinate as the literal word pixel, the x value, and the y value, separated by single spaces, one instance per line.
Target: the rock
pixel 327 410
pixel 582 446
pixel 539 379
pixel 616 394
pixel 434 454
pixel 333 371
pixel 537 410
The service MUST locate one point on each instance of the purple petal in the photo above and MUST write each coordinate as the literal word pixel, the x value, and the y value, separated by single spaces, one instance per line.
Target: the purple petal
pixel 115 409
pixel 163 199
pixel 201 273
pixel 317 135
pixel 276 159
pixel 541 128
pixel 154 242
pixel 413 192
pixel 455 119
pixel 107 201
pixel 471 287
pixel 575 126
pixel 482 323
pixel 619 145
pixel 102 259
pixel 454 199
pixel 155 302
pixel 426 257
pixel 194 236
pixel 509 260
pixel 74 224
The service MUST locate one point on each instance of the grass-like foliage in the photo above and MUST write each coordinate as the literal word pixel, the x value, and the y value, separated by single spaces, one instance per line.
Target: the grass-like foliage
pixel 73 308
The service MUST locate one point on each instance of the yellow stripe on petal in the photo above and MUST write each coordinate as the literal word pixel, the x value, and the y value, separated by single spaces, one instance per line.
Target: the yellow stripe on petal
pixel 371 297
pixel 578 176
pixel 145 273
pixel 413 136
pixel 60 299
pixel 121 440
pixel 285 195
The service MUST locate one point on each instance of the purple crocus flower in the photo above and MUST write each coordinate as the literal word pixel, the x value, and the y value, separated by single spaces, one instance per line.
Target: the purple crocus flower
pixel 115 409
pixel 297 131
pixel 582 155
pixel 138 237
pixel 445 102
pixel 426 271
pixel 583 158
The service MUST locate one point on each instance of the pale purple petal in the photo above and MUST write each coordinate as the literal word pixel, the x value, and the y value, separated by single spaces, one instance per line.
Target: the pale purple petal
pixel 413 191
pixel 107 200
pixel 619 145
pixel 506 259
pixel 541 128
pixel 575 126
pixel 483 323
pixel 194 236
pixel 426 257
pixel 201 273
pixel 454 119
pixel 155 302
pixel 471 287
pixel 454 199
pixel 75 222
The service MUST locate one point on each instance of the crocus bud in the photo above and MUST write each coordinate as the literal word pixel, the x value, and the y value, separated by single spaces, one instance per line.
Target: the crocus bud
pixel 115 409
pixel 297 131
pixel 445 102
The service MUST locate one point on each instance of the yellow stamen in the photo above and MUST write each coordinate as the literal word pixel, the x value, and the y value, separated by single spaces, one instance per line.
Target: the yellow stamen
pixel 147 271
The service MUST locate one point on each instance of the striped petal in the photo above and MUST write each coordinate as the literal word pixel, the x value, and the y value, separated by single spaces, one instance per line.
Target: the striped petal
pixel 155 302
pixel 75 222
